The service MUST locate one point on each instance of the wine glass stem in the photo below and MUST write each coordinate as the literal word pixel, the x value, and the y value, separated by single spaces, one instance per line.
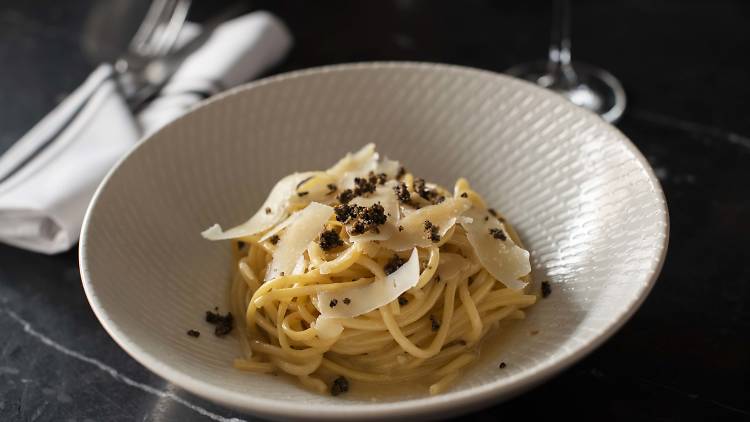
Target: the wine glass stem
pixel 559 67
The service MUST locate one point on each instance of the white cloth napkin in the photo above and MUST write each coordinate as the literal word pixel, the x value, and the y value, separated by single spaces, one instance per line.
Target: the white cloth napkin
pixel 44 195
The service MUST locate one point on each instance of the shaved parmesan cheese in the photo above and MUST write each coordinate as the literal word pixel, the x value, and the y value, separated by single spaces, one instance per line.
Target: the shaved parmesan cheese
pixel 414 234
pixel 452 265
pixel 279 227
pixel 389 167
pixel 503 259
pixel 305 228
pixel 273 210
pixel 327 328
pixel 316 189
pixel 385 196
pixel 363 299
pixel 370 249
pixel 361 161
pixel 300 266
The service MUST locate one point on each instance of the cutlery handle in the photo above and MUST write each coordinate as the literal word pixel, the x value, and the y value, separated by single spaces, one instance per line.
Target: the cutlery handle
pixel 54 123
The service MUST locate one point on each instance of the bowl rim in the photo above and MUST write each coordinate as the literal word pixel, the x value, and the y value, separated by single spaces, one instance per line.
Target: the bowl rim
pixel 452 401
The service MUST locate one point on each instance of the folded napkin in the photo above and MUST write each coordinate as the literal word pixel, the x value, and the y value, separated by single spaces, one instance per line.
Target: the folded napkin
pixel 45 186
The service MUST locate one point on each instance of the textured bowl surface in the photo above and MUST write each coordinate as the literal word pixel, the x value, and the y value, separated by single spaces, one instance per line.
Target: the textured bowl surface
pixel 584 200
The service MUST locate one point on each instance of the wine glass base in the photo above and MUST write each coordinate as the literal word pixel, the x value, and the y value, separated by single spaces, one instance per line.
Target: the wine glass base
pixel 596 89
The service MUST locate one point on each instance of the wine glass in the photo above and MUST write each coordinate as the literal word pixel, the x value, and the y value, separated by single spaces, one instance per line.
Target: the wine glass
pixel 587 86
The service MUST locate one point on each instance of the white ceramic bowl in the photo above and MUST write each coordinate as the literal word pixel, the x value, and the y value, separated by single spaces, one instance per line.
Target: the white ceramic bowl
pixel 583 198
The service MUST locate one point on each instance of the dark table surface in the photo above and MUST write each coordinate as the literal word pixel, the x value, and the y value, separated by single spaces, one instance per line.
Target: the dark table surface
pixel 685 355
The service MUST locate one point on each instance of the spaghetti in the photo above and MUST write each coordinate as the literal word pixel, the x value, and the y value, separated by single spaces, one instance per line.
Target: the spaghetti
pixel 365 272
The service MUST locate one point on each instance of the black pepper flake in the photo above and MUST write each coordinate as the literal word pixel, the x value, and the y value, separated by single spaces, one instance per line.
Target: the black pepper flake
pixel 502 365
pixel 347 301
pixel 402 193
pixel 340 386
pixel 194 333
pixel 402 301
pixel 437 279
pixel 435 324
pixel 268 210
pixel 333 303
pixel 486 218
pixel 305 180
pixel 330 239
pixel 546 289
pixel 281 274
pixel 493 212
pixel 223 323
pixel 393 264
pixel 401 173
pixel 346 196
pixel 434 234
pixel 274 239
pixel 498 234
pixel 464 195
pixel 301 194
pixel 400 228
pixel 331 188
pixel 382 178
pixel 428 225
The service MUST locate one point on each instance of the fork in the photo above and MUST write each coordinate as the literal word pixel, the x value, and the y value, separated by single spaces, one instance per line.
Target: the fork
pixel 155 38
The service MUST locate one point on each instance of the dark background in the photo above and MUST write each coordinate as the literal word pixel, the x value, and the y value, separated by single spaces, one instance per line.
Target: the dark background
pixel 684 356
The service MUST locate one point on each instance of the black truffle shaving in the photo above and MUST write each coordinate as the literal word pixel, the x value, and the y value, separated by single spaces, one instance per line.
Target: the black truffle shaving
pixel 393 264
pixel 340 385
pixel 330 239
pixel 435 324
pixel 401 173
pixel 346 196
pixel 364 186
pixel 374 215
pixel 546 289
pixel 344 212
pixel 429 194
pixel 402 193
pixel 358 228
pixel 498 234
pixel 223 323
